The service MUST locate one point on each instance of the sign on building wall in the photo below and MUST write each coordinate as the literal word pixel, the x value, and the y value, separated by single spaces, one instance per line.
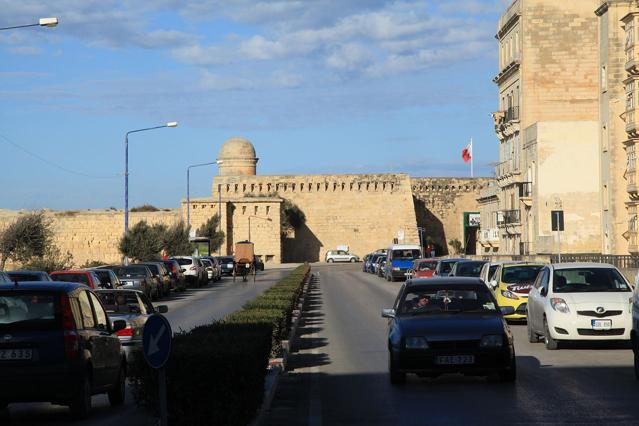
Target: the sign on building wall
pixel 474 219
pixel 557 220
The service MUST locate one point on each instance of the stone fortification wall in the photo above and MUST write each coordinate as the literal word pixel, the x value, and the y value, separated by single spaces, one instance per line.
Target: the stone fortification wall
pixel 93 235
pixel 364 211
pixel 440 204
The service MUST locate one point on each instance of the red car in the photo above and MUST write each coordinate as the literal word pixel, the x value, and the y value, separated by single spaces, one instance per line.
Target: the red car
pixel 424 268
pixel 88 278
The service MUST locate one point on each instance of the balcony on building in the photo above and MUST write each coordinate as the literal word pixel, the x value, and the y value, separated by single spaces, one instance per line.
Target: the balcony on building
pixel 508 19
pixel 630 45
pixel 489 237
pixel 631 236
pixel 508 217
pixel 506 122
pixel 526 193
pixel 632 125
pixel 506 170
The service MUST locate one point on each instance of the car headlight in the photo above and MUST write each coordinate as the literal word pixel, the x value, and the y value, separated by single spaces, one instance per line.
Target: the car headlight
pixel 492 341
pixel 509 294
pixel 559 305
pixel 396 269
pixel 416 343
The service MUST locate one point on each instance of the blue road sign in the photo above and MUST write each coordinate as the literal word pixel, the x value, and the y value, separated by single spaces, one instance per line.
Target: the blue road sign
pixel 156 340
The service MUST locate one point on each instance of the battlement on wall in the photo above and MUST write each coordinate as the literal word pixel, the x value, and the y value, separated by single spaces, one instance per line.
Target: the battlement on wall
pixel 265 185
pixel 449 185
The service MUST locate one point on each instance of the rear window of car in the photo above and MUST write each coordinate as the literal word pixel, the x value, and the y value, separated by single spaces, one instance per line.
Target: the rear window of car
pixel 28 311
pixel 104 276
pixel 155 269
pixel 184 261
pixel 447 266
pixel 469 269
pixel 71 278
pixel 130 271
pixel 119 302
pixel 427 266
pixel 520 273
pixel 226 260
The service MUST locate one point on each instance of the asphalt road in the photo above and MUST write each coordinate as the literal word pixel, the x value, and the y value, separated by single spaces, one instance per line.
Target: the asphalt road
pixel 339 375
pixel 186 310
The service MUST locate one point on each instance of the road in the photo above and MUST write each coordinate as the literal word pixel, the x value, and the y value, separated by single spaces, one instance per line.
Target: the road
pixel 186 310
pixel 339 376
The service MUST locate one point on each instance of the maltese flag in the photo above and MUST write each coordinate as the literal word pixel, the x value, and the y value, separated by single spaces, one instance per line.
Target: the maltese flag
pixel 467 153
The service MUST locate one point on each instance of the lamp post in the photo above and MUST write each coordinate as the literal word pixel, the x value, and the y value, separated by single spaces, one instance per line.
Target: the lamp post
pixel 188 189
pixel 42 22
pixel 126 169
pixel 421 230
pixel 257 217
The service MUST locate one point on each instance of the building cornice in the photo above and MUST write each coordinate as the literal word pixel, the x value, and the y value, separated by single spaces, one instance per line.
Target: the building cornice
pixel 602 9
pixel 507 72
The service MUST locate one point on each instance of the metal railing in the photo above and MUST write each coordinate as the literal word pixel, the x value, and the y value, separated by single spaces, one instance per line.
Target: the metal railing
pixel 620 261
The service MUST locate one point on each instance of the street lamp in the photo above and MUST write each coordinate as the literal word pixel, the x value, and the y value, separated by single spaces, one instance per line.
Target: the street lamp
pixel 126 169
pixel 257 217
pixel 188 190
pixel 42 22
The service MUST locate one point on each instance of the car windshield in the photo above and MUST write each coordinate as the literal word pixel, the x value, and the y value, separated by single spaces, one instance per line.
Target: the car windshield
pixel 28 310
pixel 407 254
pixel 520 274
pixel 447 266
pixel 71 278
pixel 468 269
pixel 25 276
pixel 184 261
pixel 427 266
pixel 120 302
pixel 130 271
pixel 588 280
pixel 438 299
pixel 104 276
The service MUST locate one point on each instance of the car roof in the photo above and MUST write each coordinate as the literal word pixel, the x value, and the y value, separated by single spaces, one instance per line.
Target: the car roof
pixel 426 259
pixel 118 290
pixel 572 265
pixel 70 271
pixel 43 285
pixel 452 259
pixel 507 264
pixel 25 271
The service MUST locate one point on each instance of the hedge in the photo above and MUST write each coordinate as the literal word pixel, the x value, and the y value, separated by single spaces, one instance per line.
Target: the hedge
pixel 216 372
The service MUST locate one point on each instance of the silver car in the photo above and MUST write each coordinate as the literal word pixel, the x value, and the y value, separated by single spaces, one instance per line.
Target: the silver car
pixel 193 270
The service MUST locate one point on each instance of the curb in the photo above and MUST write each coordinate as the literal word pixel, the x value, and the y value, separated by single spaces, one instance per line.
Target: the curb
pixel 277 366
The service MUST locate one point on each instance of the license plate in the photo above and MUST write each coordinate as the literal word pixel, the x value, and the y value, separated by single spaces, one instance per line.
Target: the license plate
pixel 601 324
pixel 229 265
pixel 455 359
pixel 15 354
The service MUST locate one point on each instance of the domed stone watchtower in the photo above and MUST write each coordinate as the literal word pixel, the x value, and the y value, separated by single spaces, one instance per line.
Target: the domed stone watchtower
pixel 237 158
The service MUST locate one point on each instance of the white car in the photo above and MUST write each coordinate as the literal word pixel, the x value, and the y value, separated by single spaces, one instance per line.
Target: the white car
pixel 579 301
pixel 340 256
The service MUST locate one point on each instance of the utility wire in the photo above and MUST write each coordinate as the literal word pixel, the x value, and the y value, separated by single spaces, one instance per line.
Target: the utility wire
pixel 52 164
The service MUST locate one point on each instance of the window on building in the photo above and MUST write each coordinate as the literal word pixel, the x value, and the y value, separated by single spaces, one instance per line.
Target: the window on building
pixel 630 34
pixel 604 137
pixel 632 158
pixel 606 201
pixel 632 218
pixel 604 79
pixel 630 95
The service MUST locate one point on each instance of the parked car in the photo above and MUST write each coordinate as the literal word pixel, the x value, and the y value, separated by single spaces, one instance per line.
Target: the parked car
pixel 134 308
pixel 369 265
pixel 378 264
pixel 135 277
pixel 579 301
pixel 107 277
pixel 424 268
pixel 488 271
pixel 227 264
pixel 209 268
pixel 467 268
pixel 512 283
pixel 448 325
pixel 217 271
pixel 66 351
pixel 340 256
pixel 4 278
pixel 20 276
pixel 634 333
pixel 161 275
pixel 88 278
pixel 178 281
pixel 444 266
pixel 193 270
pixel 399 259
pixel 381 267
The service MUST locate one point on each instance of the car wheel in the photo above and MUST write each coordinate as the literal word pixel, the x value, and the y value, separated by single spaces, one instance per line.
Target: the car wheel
pixel 396 377
pixel 80 405
pixel 329 261
pixel 532 336
pixel 509 375
pixel 117 394
pixel 352 260
pixel 551 344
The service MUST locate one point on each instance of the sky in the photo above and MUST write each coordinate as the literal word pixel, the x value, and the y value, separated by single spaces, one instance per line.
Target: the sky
pixel 318 86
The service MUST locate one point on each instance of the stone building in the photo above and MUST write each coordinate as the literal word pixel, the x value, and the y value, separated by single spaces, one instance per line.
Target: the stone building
pixel 547 128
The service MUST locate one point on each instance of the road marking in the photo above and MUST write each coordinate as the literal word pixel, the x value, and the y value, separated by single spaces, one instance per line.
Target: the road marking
pixel 153 343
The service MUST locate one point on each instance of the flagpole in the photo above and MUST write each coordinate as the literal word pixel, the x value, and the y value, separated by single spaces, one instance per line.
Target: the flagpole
pixel 472 154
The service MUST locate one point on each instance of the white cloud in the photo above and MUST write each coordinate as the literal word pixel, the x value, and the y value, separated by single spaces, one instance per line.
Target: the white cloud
pixel 25 50
pixel 350 57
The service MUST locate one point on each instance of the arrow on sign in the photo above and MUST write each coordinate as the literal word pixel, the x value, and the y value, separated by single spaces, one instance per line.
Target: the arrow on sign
pixel 153 342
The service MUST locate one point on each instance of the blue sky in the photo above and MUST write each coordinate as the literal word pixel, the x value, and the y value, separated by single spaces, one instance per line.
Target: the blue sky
pixel 319 86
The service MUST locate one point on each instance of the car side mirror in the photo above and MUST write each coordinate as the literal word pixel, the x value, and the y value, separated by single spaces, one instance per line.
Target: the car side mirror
pixel 388 313
pixel 118 325
pixel 507 310
pixel 543 291
pixel 162 309
pixel 493 284
pixel 182 270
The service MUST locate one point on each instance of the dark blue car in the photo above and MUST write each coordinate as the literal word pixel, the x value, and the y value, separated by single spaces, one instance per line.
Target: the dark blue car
pixel 58 345
pixel 448 325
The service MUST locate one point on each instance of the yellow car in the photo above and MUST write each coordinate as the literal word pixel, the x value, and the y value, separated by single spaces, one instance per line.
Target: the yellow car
pixel 511 284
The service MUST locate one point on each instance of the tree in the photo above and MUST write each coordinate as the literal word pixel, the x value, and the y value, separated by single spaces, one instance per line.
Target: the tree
pixel 210 230
pixel 143 242
pixel 29 236
pixel 176 240
pixel 292 215
pixel 53 260
pixel 456 245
